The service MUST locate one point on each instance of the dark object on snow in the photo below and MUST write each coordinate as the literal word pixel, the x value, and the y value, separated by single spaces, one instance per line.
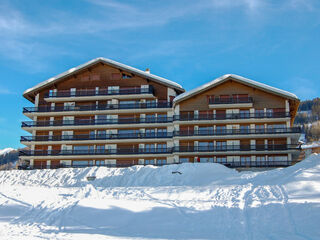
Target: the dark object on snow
pixel 174 172
pixel 91 178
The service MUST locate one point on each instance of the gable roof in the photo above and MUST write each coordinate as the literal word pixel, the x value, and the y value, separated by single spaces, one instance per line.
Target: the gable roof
pixel 109 62
pixel 237 78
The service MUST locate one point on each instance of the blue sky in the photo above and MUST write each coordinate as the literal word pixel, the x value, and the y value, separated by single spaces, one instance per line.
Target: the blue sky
pixel 190 42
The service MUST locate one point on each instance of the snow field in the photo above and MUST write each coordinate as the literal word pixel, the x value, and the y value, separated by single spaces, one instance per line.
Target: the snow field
pixel 207 201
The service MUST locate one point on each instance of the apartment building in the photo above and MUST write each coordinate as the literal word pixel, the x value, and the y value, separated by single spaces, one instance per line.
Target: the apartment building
pixel 105 113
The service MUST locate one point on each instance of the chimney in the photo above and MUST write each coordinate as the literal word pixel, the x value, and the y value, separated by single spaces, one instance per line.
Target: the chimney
pixel 147 70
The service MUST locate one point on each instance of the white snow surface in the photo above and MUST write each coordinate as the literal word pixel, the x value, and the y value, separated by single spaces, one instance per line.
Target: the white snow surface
pixel 205 201
pixel 107 61
pixel 244 80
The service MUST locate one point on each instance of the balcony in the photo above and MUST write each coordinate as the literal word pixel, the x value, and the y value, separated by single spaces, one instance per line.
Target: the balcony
pixel 236 148
pixel 94 137
pixel 237 132
pixel 124 151
pixel 94 94
pixel 230 102
pixel 230 164
pixel 88 122
pixel 231 116
pixel 102 107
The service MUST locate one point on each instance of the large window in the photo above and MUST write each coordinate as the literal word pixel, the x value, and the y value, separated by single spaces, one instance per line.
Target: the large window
pixel 101 149
pixel 149 147
pixel 82 163
pixel 221 145
pixel 162 147
pixel 220 129
pixel 221 159
pixel 244 113
pixel 205 146
pixel 161 161
pixel 205 130
pixel 184 160
pixel 150 132
pixel 206 159
pixel 149 162
pixel 162 132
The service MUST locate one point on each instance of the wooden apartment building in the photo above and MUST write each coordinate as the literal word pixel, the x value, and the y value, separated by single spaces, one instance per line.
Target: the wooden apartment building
pixel 105 113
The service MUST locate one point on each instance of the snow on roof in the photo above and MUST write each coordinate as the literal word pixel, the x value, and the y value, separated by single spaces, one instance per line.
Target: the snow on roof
pixel 109 62
pixel 311 145
pixel 244 80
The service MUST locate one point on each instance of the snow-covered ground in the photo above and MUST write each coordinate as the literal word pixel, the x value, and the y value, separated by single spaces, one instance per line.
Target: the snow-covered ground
pixel 206 201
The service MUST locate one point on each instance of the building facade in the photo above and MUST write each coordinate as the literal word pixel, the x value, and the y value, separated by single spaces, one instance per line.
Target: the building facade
pixel 104 113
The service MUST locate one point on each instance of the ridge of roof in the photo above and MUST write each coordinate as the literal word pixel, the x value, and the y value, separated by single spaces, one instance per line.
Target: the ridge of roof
pixel 107 61
pixel 244 80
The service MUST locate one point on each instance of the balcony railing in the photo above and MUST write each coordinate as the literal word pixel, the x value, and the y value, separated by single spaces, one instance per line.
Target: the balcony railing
pixel 230 148
pixel 80 122
pixel 97 107
pixel 228 116
pixel 231 164
pixel 96 137
pixel 119 151
pixel 226 148
pixel 158 135
pixel 100 92
pixel 237 131
pixel 230 100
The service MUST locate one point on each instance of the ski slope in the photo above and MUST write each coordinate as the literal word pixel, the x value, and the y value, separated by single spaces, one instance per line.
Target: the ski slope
pixel 206 201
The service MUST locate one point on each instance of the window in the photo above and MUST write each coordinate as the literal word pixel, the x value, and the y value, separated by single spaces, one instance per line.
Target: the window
pixel 161 161
pixel 220 129
pixel 162 147
pixel 269 112
pixel 205 146
pixel 244 113
pixel 113 89
pixel 184 160
pixel 221 160
pixel 126 76
pixel 69 105
pixel 206 159
pixel 260 128
pixel 221 145
pixel 82 163
pixel 149 147
pixel 81 148
pixel 150 118
pixel 100 162
pixel 100 149
pixel 101 134
pixel 149 162
pixel 67 135
pixel 151 103
pixel 92 134
pixel 244 129
pixel 150 132
pixel 259 113
pixel 73 92
pixel 205 130
pixel 162 132
pixel 162 117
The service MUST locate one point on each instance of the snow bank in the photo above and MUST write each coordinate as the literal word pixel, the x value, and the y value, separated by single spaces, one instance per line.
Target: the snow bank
pixel 205 201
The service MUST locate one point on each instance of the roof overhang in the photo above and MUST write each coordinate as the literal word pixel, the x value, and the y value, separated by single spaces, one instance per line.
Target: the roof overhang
pixel 31 92
pixel 239 79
